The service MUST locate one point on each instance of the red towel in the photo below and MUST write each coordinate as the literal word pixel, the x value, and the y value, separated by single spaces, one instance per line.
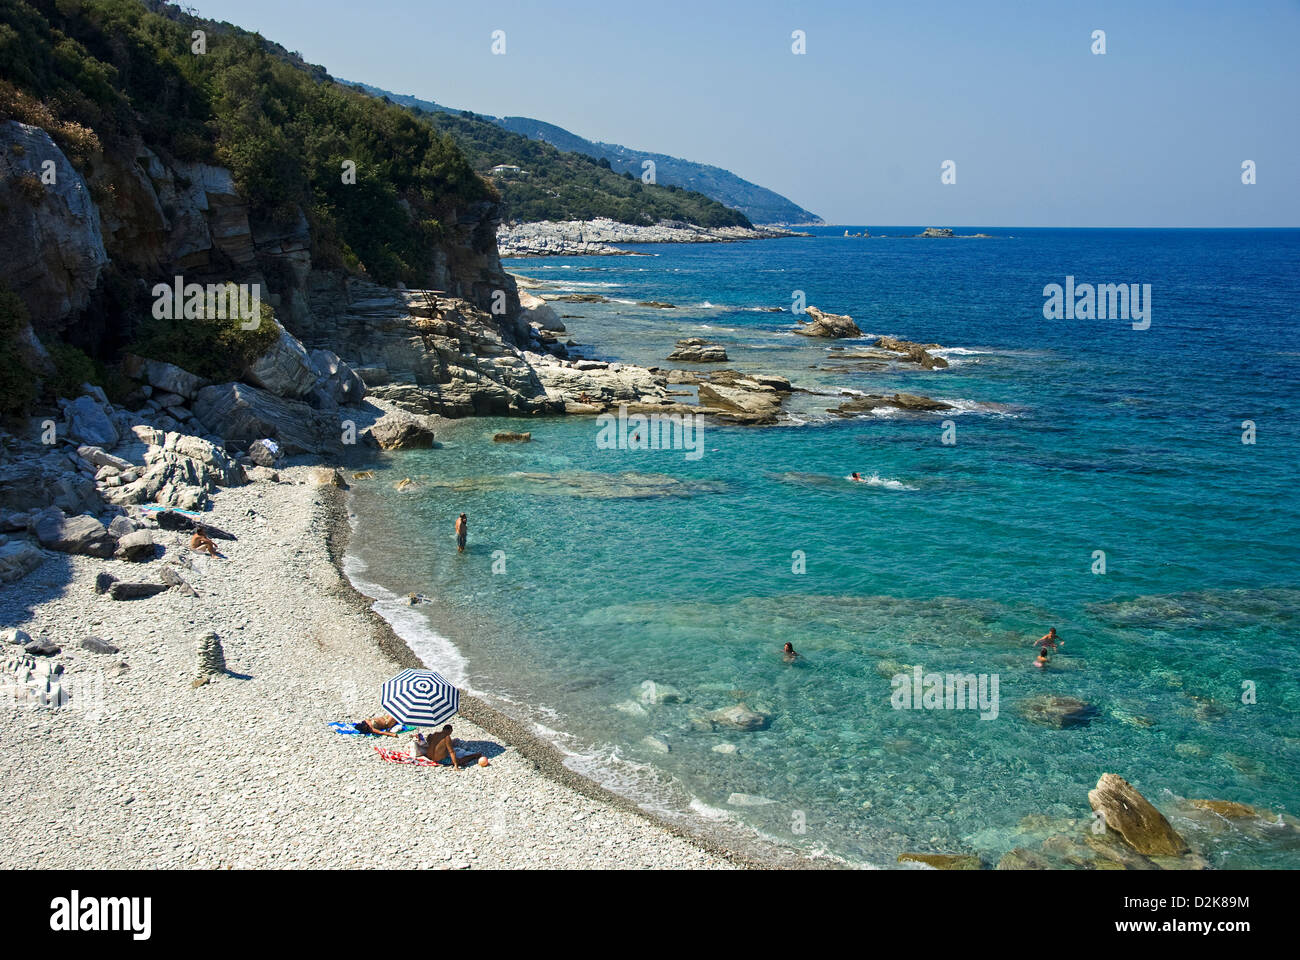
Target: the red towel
pixel 396 756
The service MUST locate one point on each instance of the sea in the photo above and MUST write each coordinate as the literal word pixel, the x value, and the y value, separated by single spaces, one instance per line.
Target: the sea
pixel 1129 480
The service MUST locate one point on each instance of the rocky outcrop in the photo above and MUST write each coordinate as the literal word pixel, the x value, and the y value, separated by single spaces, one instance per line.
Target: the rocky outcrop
pixel 585 237
pixel 1133 817
pixel 936 232
pixel 285 369
pixel 697 350
pixel 241 414
pixel 918 353
pixel 900 401
pixel 736 404
pixel 81 534
pixel 510 436
pixel 832 325
pixel 162 376
pixel 398 430
pixel 51 246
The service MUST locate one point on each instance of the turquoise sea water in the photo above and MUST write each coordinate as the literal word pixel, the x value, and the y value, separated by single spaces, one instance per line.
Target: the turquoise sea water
pixel 617 567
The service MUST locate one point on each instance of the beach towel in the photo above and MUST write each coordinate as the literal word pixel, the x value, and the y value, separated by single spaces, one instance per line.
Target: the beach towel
pixel 397 756
pixel 349 729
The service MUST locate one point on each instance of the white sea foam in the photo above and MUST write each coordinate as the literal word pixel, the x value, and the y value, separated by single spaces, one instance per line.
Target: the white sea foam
pixel 875 480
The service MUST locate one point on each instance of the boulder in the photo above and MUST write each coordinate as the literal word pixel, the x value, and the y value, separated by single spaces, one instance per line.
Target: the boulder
pixel 739 717
pixel 936 232
pixel 695 350
pixel 913 352
pixel 241 414
pixel 96 645
pixel 163 377
pixel 90 422
pixel 264 452
pixel 19 558
pixel 121 526
pixel 337 383
pixel 830 325
pixel 37 484
pixel 399 430
pixel 285 369
pixel 740 405
pixel 80 534
pixel 42 648
pixel 1133 817
pixel 169 575
pixel 136 547
pixel 507 436
pixel 14 635
pixel 135 591
pixel 99 458
pixel 103 581
pixel 535 310
pixel 1228 809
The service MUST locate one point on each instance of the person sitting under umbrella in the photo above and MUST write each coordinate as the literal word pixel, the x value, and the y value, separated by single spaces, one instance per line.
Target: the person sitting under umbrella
pixel 440 746
pixel 382 725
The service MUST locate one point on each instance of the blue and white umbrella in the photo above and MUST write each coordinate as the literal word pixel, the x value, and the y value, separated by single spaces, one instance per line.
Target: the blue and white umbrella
pixel 421 698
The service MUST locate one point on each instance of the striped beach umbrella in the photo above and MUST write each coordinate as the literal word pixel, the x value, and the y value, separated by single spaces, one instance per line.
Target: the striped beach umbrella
pixel 421 698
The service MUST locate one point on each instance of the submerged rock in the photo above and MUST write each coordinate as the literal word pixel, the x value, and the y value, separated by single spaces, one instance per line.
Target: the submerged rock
pixel 507 436
pixel 739 717
pixel 1058 712
pixel 943 861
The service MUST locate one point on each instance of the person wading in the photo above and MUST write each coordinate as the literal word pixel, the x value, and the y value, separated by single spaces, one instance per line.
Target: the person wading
pixel 462 532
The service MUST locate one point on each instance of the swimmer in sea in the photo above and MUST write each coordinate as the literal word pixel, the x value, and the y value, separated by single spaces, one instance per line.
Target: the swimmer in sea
pixel 856 476
pixel 1042 658
pixel 1050 639
pixel 788 653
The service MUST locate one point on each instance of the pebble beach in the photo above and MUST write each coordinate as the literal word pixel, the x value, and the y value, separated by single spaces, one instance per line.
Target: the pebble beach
pixel 142 769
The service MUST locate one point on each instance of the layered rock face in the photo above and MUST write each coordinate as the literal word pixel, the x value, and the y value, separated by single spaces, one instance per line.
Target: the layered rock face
pixel 51 249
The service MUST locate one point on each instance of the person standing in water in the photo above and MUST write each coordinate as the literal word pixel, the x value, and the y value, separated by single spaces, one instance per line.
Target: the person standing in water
pixel 1049 639
pixel 462 532
pixel 788 653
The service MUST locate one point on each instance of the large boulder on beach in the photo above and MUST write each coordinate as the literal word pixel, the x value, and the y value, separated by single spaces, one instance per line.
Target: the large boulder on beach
pixel 19 558
pixel 829 325
pixel 137 547
pixel 337 384
pixel 1133 817
pixel 89 422
pixel 81 534
pixel 398 430
pixel 241 414
pixel 285 369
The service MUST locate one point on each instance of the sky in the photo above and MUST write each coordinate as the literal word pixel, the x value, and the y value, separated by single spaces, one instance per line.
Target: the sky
pixel 1041 131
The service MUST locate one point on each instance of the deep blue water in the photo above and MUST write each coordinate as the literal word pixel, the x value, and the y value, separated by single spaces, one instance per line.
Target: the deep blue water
pixel 1072 436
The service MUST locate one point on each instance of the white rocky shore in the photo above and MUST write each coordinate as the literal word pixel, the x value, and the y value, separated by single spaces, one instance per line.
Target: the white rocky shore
pixel 140 768
pixel 550 238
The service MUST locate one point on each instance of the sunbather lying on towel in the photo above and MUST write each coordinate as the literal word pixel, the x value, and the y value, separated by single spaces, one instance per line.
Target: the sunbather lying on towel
pixel 440 746
pixel 383 725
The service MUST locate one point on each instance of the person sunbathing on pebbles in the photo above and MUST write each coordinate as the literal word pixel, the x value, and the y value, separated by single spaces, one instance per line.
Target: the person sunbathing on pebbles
pixel 440 746
pixel 202 543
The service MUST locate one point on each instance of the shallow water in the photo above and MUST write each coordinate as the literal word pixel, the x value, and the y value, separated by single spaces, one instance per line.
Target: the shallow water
pixel 591 571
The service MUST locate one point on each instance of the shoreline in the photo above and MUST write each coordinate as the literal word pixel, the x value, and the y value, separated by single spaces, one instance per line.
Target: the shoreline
pixel 139 768
pixel 546 759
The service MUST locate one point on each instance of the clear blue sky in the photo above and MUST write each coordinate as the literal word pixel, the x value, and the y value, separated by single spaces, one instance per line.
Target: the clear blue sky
pixel 1043 132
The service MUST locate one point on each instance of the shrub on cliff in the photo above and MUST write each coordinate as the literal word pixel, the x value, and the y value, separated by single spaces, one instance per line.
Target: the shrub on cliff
pixel 215 349
pixel 17 381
